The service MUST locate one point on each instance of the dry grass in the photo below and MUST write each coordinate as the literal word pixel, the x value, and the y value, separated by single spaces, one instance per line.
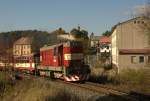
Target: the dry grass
pixel 136 80
pixel 5 83
pixel 41 89
pixel 102 74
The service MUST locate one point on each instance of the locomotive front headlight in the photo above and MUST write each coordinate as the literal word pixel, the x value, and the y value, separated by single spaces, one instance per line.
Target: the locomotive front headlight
pixel 67 56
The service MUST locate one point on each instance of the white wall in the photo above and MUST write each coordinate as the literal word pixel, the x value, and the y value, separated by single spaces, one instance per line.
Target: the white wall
pixel 104 48
pixel 114 48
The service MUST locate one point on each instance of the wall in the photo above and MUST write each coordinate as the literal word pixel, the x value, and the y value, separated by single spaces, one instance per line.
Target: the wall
pixel 114 48
pixel 19 50
pixel 126 62
pixel 129 35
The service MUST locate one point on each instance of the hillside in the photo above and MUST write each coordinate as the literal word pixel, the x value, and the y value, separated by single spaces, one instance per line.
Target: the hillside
pixel 39 38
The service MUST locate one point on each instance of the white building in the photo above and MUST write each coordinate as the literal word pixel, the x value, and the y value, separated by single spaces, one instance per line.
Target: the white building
pixel 130 44
pixel 105 44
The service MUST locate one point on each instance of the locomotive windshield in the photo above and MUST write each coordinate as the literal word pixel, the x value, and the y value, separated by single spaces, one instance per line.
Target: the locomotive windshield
pixel 76 44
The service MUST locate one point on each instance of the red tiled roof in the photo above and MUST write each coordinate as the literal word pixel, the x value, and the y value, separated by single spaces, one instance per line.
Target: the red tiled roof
pixel 105 39
pixel 134 51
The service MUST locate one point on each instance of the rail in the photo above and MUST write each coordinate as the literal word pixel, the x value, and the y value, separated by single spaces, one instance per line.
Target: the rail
pixel 92 87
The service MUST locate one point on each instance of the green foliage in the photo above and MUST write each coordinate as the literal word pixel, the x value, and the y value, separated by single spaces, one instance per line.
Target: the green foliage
pixel 79 33
pixel 106 33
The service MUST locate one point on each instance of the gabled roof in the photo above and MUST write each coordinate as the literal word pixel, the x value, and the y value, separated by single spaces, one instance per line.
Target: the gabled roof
pixel 23 40
pixel 105 39
pixel 120 23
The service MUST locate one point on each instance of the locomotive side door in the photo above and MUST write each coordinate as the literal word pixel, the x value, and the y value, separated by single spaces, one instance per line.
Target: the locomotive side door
pixel 60 55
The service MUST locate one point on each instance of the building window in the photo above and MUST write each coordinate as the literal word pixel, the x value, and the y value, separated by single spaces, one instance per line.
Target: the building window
pixel 148 59
pixel 133 59
pixel 141 59
pixel 24 52
pixel 107 47
pixel 28 46
pixel 138 22
pixel 142 22
pixel 24 46
pixel 134 22
pixel 28 52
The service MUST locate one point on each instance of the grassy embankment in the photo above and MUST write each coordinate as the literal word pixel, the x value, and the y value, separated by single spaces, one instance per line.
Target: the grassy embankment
pixel 5 83
pixel 129 80
pixel 41 89
pixel 32 90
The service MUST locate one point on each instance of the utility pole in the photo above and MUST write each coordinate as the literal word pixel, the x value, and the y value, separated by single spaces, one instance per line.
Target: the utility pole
pixel 147 8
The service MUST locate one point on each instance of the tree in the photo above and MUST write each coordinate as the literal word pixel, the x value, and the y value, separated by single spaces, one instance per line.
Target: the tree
pixel 79 33
pixel 39 38
pixel 59 31
pixel 106 33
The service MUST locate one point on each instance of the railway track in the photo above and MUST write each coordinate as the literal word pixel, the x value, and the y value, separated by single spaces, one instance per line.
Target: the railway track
pixel 100 89
pixel 112 91
pixel 92 87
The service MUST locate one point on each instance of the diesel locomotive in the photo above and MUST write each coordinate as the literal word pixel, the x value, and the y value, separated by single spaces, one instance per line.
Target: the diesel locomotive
pixel 64 60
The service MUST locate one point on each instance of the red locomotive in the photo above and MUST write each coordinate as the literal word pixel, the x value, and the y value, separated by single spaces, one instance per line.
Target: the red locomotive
pixel 64 60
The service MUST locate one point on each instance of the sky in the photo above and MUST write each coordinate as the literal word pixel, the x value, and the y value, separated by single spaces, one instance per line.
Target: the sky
pixel 48 15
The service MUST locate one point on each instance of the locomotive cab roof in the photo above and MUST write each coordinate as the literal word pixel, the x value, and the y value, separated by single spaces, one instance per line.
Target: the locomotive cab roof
pixel 68 43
